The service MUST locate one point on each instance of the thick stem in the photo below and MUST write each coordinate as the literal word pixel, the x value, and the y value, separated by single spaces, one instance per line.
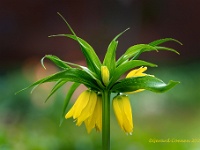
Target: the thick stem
pixel 106 120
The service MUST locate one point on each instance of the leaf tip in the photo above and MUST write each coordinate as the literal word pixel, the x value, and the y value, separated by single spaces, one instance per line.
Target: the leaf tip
pixel 17 92
pixel 177 41
pixel 42 62
pixel 20 90
pixel 174 82
pixel 61 121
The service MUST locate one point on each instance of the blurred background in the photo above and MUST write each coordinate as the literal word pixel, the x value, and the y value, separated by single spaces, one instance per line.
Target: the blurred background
pixel 26 122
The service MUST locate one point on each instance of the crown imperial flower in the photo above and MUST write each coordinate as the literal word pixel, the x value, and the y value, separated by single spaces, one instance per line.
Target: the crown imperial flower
pixel 103 78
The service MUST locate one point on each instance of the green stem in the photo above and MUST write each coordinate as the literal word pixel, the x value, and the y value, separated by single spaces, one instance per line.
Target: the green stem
pixel 106 120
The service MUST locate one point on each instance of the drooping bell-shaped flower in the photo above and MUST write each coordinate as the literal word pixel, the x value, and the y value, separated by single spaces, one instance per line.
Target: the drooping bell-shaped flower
pixel 83 107
pixel 123 112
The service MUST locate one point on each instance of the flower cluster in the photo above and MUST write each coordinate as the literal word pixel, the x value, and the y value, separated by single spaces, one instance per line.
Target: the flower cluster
pixel 87 107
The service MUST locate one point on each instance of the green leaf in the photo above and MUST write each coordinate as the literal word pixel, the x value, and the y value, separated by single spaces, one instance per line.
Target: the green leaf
pixel 123 68
pixel 134 50
pixel 145 82
pixel 160 41
pixel 110 56
pixel 166 48
pixel 57 61
pixel 67 99
pixel 64 65
pixel 93 75
pixel 58 85
pixel 69 74
pixel 92 59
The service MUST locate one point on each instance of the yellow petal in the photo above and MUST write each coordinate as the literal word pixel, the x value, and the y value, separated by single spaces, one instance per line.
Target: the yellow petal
pixel 127 108
pixel 88 109
pixel 79 105
pixel 95 120
pixel 70 113
pixel 117 110
pixel 125 122
pixel 127 114
pixel 137 72
pixel 89 124
pixel 98 112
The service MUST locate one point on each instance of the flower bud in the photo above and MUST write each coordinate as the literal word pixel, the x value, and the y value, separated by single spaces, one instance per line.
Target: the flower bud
pixel 105 75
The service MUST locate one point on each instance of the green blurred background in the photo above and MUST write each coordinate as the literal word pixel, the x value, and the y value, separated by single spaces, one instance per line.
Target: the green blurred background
pixel 27 123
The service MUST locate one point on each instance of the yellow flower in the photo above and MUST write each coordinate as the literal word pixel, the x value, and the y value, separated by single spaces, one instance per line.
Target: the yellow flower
pixel 87 109
pixel 95 120
pixel 137 73
pixel 83 107
pixel 123 112
pixel 105 75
